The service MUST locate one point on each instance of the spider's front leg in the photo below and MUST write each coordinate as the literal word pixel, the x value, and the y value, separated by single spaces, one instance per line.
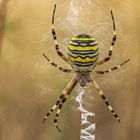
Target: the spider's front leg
pixel 112 69
pixel 61 100
pixel 55 39
pixel 100 92
pixel 55 65
pixel 112 44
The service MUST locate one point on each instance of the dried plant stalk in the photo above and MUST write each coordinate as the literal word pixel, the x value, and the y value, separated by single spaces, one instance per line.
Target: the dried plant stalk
pixel 3 14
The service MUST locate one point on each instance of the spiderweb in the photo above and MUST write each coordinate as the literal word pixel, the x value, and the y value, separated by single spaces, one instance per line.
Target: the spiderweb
pixel 100 24
pixel 80 16
pixel 87 128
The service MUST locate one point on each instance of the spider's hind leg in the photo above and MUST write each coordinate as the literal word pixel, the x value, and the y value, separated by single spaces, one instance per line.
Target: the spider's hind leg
pixel 56 117
pixel 52 109
pixel 100 92
pixel 66 92
pixel 61 100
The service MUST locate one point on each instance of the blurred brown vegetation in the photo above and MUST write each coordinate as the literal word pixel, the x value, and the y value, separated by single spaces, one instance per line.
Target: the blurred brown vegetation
pixel 29 85
pixel 3 14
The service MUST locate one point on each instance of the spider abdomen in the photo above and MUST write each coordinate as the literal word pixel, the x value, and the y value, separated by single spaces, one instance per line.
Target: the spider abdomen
pixel 83 52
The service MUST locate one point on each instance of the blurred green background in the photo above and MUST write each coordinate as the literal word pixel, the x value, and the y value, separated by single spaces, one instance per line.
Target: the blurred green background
pixel 29 85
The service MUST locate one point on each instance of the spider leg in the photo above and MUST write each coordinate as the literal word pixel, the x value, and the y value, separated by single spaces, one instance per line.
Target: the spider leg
pixel 55 65
pixel 112 43
pixel 66 92
pixel 56 117
pixel 52 109
pixel 55 38
pixel 112 69
pixel 61 100
pixel 100 92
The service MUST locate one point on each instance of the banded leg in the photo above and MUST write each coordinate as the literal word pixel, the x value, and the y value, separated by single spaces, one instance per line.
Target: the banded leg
pixel 55 65
pixel 112 69
pixel 100 92
pixel 52 109
pixel 112 44
pixel 63 97
pixel 56 117
pixel 55 39
pixel 66 93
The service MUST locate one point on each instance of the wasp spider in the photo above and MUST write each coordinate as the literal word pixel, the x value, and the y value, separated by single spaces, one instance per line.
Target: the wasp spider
pixel 83 53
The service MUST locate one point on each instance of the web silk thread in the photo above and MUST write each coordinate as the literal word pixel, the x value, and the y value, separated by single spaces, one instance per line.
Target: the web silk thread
pixel 87 128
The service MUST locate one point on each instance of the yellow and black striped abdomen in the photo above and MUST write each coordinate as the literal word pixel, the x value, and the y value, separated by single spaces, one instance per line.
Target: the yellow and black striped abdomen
pixel 83 52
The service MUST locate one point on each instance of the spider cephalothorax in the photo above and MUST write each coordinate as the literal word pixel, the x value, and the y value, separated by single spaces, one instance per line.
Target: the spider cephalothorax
pixel 83 78
pixel 82 57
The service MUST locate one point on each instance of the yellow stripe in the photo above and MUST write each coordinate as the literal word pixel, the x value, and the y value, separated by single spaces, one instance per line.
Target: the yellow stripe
pixel 79 59
pixel 79 48
pixel 75 38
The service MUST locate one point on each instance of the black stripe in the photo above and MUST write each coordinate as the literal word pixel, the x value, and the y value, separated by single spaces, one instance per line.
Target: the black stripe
pixel 54 37
pixel 64 99
pixel 107 103
pixel 61 96
pixel 57 47
pixel 86 51
pixel 114 68
pixel 84 62
pixel 55 65
pixel 85 45
pixel 83 52
pixel 60 106
pixel 80 65
pixel 110 53
pixel 106 59
pixel 103 97
pixel 48 114
pixel 53 14
pixel 58 101
pixel 112 43
pixel 114 38
pixel 100 72
pixel 82 56
pixel 83 41
pixel 83 36
pixel 112 111
pixel 53 31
